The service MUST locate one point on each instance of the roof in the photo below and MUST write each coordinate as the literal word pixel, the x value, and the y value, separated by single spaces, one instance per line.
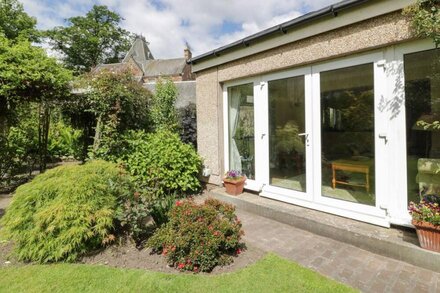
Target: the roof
pixel 139 51
pixel 163 67
pixel 321 20
pixel 142 63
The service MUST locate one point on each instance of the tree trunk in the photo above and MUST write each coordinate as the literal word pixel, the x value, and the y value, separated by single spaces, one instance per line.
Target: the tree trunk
pixel 3 116
pixel 43 133
pixel 98 133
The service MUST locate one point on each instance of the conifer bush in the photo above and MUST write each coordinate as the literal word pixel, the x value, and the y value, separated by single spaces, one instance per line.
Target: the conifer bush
pixel 66 212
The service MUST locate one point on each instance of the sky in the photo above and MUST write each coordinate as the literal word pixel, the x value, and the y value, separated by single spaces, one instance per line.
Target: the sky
pixel 169 24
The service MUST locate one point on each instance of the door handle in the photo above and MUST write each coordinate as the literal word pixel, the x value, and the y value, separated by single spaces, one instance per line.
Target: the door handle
pixel 384 137
pixel 306 135
pixel 263 135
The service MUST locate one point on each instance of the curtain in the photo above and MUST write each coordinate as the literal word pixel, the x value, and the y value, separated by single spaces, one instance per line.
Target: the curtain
pixel 234 114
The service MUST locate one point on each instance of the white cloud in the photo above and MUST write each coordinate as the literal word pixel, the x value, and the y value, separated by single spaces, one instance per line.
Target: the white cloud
pixel 167 26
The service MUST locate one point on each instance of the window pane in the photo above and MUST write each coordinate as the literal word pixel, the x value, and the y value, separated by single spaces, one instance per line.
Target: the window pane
pixel 347 133
pixel 422 101
pixel 287 152
pixel 241 129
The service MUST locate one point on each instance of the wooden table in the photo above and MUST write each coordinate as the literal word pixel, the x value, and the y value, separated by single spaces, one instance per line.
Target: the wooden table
pixel 352 166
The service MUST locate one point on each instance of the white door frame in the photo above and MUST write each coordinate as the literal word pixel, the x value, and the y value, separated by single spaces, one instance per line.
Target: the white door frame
pixel 398 192
pixel 264 143
pixel 374 214
pixel 255 184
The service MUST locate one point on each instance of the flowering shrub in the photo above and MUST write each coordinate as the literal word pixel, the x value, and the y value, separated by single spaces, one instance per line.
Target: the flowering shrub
pixel 233 175
pixel 199 237
pixel 428 210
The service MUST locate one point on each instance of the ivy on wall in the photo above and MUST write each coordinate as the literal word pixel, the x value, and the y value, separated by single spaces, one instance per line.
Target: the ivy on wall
pixel 425 19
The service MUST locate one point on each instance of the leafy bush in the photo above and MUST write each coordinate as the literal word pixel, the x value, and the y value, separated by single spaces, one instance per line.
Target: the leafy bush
pixel 64 141
pixel 133 218
pixel 188 124
pixel 66 211
pixel 161 163
pixel 136 214
pixel 199 237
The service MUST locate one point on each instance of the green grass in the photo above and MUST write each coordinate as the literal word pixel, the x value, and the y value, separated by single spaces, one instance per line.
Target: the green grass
pixel 271 274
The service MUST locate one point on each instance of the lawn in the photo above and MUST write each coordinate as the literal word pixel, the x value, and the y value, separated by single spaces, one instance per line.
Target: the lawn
pixel 271 274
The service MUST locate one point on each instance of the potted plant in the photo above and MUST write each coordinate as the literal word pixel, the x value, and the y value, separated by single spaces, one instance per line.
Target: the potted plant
pixel 234 182
pixel 426 220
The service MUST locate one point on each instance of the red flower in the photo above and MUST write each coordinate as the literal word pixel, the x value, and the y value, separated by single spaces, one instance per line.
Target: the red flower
pixel 165 251
pixel 180 266
pixel 238 251
pixel 178 203
pixel 216 233
pixel 196 269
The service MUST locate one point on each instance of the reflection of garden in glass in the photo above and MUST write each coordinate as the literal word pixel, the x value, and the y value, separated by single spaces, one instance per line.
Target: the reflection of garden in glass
pixel 286 121
pixel 241 129
pixel 422 102
pixel 347 134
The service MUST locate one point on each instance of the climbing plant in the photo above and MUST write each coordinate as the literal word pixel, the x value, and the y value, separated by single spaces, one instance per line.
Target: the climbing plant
pixel 425 19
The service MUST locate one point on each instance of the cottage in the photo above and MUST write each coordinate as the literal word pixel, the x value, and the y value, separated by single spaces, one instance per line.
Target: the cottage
pixel 326 111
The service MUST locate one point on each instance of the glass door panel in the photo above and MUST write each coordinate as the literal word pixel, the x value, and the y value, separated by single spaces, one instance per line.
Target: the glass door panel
pixel 241 129
pixel 287 151
pixel 347 134
pixel 422 101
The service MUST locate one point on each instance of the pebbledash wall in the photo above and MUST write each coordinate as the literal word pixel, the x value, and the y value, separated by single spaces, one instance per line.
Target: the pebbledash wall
pixel 380 31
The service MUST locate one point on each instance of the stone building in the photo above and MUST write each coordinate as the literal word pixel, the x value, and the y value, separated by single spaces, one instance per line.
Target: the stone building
pixel 139 59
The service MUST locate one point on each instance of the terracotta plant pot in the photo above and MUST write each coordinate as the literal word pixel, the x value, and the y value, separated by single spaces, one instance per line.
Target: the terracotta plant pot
pixel 428 234
pixel 234 187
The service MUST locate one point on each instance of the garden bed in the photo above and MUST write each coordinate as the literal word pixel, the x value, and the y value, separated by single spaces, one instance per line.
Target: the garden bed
pixel 126 255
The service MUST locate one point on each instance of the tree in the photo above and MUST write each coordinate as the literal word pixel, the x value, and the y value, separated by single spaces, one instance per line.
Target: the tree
pixel 91 39
pixel 118 102
pixel 163 109
pixel 15 22
pixel 28 75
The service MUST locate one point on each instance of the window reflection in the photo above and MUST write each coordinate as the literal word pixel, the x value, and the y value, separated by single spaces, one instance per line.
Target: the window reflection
pixel 422 101
pixel 347 133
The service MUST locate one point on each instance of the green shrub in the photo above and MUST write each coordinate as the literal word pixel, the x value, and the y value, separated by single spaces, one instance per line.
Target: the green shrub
pixel 64 141
pixel 66 211
pixel 199 237
pixel 133 218
pixel 161 163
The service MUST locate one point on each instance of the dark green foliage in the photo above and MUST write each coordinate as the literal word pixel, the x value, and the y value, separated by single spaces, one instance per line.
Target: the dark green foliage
pixel 188 124
pixel 133 218
pixel 66 211
pixel 14 22
pixel 161 163
pixel 160 208
pixel 64 141
pixel 199 237
pixel 91 39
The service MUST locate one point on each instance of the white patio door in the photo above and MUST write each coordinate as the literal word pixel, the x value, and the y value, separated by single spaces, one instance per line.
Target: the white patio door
pixel 285 137
pixel 350 137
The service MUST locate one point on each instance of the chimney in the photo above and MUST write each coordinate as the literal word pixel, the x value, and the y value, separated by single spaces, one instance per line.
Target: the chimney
pixel 187 53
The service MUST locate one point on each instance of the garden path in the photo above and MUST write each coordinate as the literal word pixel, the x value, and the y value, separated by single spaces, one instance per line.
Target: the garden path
pixel 356 267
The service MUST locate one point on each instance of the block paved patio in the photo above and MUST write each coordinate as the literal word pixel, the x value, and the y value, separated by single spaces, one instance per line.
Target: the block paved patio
pixel 356 267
